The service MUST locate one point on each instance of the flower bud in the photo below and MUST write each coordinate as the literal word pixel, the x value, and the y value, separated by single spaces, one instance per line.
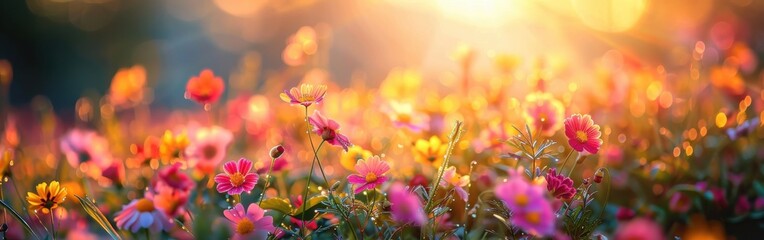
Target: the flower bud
pixel 277 151
pixel 599 175
pixel 586 182
pixel 335 186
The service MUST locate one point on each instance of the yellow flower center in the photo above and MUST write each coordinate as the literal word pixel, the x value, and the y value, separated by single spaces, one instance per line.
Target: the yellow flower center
pixel 371 177
pixel 237 179
pixel 533 217
pixel 145 205
pixel 455 179
pixel 403 117
pixel 245 226
pixel 582 136
pixel 521 200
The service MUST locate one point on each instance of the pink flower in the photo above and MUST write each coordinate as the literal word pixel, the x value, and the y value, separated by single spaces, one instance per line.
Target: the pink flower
pixel 310 225
pixel 142 213
pixel 406 207
pixel 370 173
pixel 86 146
pixel 237 178
pixel 279 164
pixel 306 95
pixel 492 138
pixel 171 201
pixel 174 178
pixel 207 148
pixel 680 203
pixel 640 228
pixel 328 130
pixel 450 177
pixel 560 186
pixel 583 135
pixel 249 224
pixel 543 112
pixel 531 211
pixel 743 206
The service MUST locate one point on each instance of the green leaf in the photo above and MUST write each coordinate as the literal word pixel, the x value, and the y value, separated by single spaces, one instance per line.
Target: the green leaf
pixel 96 214
pixel 277 204
pixel 310 206
pixel 18 217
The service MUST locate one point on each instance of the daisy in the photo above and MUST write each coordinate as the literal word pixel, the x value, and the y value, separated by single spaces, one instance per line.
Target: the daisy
pixel 306 95
pixel 370 173
pixel 583 135
pixel 47 197
pixel 142 214
pixel 430 152
pixel 406 207
pixel 236 178
pixel 249 224
pixel 561 187
pixel 328 129
pixel 543 112
pixel 450 177
pixel 207 148
pixel 205 88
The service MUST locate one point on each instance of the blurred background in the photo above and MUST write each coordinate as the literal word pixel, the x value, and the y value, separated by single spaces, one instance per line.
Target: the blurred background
pixel 66 48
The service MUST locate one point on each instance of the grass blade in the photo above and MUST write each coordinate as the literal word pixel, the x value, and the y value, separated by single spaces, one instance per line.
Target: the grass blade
pixel 19 218
pixel 96 214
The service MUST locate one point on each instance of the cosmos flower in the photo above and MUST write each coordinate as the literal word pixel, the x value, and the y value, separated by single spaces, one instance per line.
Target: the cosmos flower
pixel 640 228
pixel 370 173
pixel 207 148
pixel 173 177
pixel 543 112
pixel 561 187
pixel 171 201
pixel 328 129
pixel 531 211
pixel 205 88
pixel 406 206
pixel 249 224
pixel 142 214
pixel 306 95
pixel 430 152
pixel 48 197
pixel 82 146
pixel 350 158
pixel 583 135
pixel 127 85
pixel 236 178
pixel 450 177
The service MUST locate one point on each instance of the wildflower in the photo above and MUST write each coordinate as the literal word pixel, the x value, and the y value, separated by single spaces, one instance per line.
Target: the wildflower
pixel 531 211
pixel 583 135
pixel 237 178
pixel 560 186
pixel 276 151
pixel 640 228
pixel 450 177
pixel 543 112
pixel 430 152
pixel 406 207
pixel 370 173
pixel 350 158
pixel 142 214
pixel 492 137
pixel 328 129
pixel 404 115
pixel 174 178
pixel 419 180
pixel 306 95
pixel 249 224
pixel 82 146
pixel 279 164
pixel 599 175
pixel 624 213
pixel 310 225
pixel 48 197
pixel 172 146
pixel 127 85
pixel 205 88
pixel 207 148
pixel 170 200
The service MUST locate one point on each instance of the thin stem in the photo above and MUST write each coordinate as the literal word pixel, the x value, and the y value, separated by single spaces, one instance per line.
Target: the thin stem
pixel 52 224
pixel 148 235
pixel 305 196
pixel 267 181
pixel 578 159
pixel 455 135
pixel 565 162
pixel 607 192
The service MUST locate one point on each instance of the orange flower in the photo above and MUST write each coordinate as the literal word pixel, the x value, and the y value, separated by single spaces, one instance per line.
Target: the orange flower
pixel 127 85
pixel 47 197
pixel 205 88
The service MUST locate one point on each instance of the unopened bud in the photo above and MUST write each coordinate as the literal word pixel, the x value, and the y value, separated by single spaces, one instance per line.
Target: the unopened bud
pixel 335 186
pixel 599 175
pixel 586 182
pixel 277 151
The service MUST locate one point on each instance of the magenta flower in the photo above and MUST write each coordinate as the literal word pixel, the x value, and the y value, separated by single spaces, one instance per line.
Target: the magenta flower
pixel 680 203
pixel 249 224
pixel 543 112
pixel 531 211
pixel 328 130
pixel 583 135
pixel 174 178
pixel 561 187
pixel 640 228
pixel 279 164
pixel 450 177
pixel 370 173
pixel 406 207
pixel 142 214
pixel 208 148
pixel 236 178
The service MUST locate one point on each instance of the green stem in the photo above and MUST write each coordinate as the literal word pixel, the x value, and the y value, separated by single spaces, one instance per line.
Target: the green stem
pixel 455 135
pixel 607 192
pixel 579 158
pixel 565 162
pixel 267 181
pixel 52 224
pixel 305 196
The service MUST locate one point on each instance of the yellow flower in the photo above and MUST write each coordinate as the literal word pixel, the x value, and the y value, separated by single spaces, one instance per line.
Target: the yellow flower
pixel 348 159
pixel 430 152
pixel 172 146
pixel 47 197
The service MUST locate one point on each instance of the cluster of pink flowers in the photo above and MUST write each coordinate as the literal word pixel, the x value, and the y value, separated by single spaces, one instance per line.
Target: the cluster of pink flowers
pixel 531 210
